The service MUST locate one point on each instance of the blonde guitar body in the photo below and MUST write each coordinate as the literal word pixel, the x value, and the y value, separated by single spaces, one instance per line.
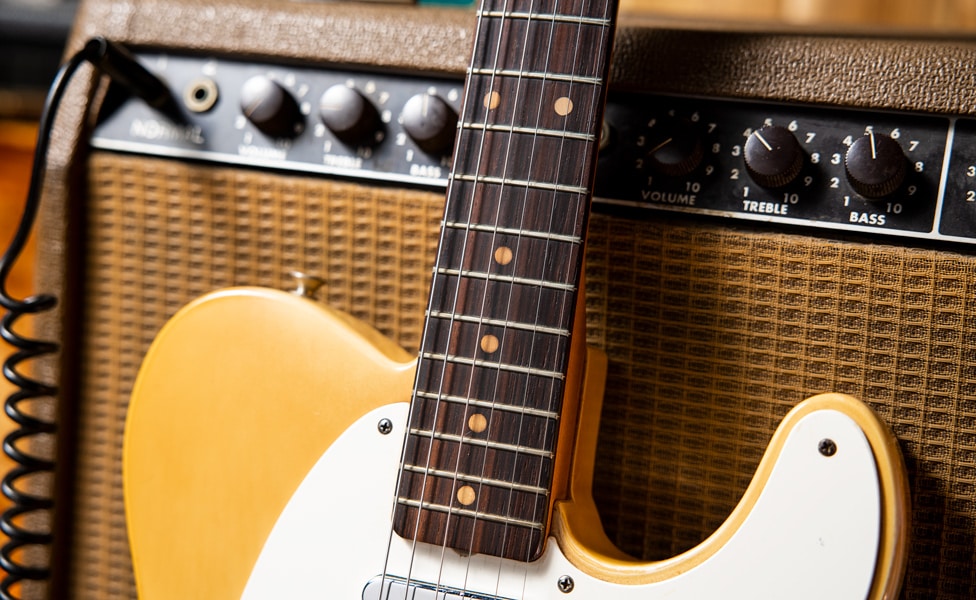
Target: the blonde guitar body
pixel 255 466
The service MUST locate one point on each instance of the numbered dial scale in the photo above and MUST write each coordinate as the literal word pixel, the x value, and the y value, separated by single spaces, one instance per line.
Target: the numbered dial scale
pixel 843 169
pixel 886 173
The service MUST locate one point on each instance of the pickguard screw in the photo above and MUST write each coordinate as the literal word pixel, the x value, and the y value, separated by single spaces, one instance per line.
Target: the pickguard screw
pixel 827 447
pixel 566 584
pixel 385 426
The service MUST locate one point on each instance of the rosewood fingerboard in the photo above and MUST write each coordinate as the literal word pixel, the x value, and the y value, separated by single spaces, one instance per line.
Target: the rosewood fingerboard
pixel 477 468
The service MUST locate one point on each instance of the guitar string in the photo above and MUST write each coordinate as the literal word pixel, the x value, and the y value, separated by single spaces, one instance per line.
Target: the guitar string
pixel 515 103
pixel 522 223
pixel 555 398
pixel 503 29
pixel 414 407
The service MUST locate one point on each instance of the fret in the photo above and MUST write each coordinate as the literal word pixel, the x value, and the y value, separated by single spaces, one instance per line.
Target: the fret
pixel 504 503
pixel 461 339
pixel 541 75
pixel 525 260
pixel 446 381
pixel 554 133
pixel 574 7
pixel 464 512
pixel 511 231
pixel 496 299
pixel 447 437
pixel 532 103
pixel 536 283
pixel 489 405
pixel 536 185
pixel 473 362
pixel 508 14
pixel 508 485
pixel 503 430
pixel 507 505
pixel 523 46
pixel 516 208
pixel 531 327
pixel 445 455
pixel 490 153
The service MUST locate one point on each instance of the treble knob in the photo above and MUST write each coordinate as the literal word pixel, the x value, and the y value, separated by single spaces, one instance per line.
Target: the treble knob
pixel 271 107
pixel 349 115
pixel 876 165
pixel 676 148
pixel 773 156
pixel 431 122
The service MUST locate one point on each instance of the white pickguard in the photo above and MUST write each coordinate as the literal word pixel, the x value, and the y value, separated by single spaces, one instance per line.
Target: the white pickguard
pixel 813 533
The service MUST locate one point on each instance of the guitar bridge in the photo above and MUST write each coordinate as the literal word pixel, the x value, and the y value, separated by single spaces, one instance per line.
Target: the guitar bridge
pixel 397 588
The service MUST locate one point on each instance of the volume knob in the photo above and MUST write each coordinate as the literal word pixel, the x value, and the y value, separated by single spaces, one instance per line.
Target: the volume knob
pixel 430 121
pixel 271 107
pixel 676 148
pixel 348 114
pixel 773 156
pixel 876 165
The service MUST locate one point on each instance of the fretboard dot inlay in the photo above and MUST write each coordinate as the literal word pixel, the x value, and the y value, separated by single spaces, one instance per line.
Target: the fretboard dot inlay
pixel 477 423
pixel 466 495
pixel 492 100
pixel 563 106
pixel 504 255
pixel 489 343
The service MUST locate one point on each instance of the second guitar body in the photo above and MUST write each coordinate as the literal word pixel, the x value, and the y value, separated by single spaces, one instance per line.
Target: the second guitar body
pixel 296 477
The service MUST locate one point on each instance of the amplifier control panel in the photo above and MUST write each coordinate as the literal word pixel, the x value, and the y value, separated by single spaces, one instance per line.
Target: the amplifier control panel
pixel 879 172
pixel 835 168
pixel 358 125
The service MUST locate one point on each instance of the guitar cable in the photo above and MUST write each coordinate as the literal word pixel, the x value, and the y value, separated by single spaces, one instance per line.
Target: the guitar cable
pixel 113 60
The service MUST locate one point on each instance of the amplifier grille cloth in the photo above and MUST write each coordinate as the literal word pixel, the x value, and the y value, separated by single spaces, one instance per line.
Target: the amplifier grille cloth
pixel 713 334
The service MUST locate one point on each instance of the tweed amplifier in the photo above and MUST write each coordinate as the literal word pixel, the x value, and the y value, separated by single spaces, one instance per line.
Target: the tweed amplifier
pixel 778 214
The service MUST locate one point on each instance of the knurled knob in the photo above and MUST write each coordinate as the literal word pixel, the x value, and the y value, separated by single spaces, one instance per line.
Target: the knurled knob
pixel 271 107
pixel 876 165
pixel 675 148
pixel 773 156
pixel 430 122
pixel 349 115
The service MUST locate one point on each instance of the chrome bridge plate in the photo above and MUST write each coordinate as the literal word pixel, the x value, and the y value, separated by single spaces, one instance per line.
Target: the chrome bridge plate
pixel 397 588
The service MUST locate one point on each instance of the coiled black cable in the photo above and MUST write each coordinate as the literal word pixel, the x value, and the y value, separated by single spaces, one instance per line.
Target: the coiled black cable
pixel 114 61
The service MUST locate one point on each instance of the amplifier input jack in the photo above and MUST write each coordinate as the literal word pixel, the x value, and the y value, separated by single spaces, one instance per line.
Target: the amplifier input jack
pixel 201 95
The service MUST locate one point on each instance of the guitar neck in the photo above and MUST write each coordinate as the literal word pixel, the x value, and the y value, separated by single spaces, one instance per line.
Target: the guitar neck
pixel 477 469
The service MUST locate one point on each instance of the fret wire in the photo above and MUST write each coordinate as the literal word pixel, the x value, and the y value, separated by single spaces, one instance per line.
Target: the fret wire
pixel 562 77
pixel 522 410
pixel 471 362
pixel 553 133
pixel 544 17
pixel 542 235
pixel 538 185
pixel 467 512
pixel 499 323
pixel 551 285
pixel 460 439
pixel 496 483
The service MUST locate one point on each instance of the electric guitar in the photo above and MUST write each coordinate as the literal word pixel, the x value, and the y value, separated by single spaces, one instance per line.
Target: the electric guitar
pixel 277 449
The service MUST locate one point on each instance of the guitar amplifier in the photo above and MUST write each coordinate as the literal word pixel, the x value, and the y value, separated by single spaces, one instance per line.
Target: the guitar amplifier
pixel 724 287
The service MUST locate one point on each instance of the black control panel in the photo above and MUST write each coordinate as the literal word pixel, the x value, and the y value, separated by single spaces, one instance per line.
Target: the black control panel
pixel 885 173
pixel 364 126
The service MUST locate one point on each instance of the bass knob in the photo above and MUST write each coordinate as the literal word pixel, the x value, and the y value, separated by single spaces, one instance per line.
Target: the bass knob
pixel 876 165
pixel 430 122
